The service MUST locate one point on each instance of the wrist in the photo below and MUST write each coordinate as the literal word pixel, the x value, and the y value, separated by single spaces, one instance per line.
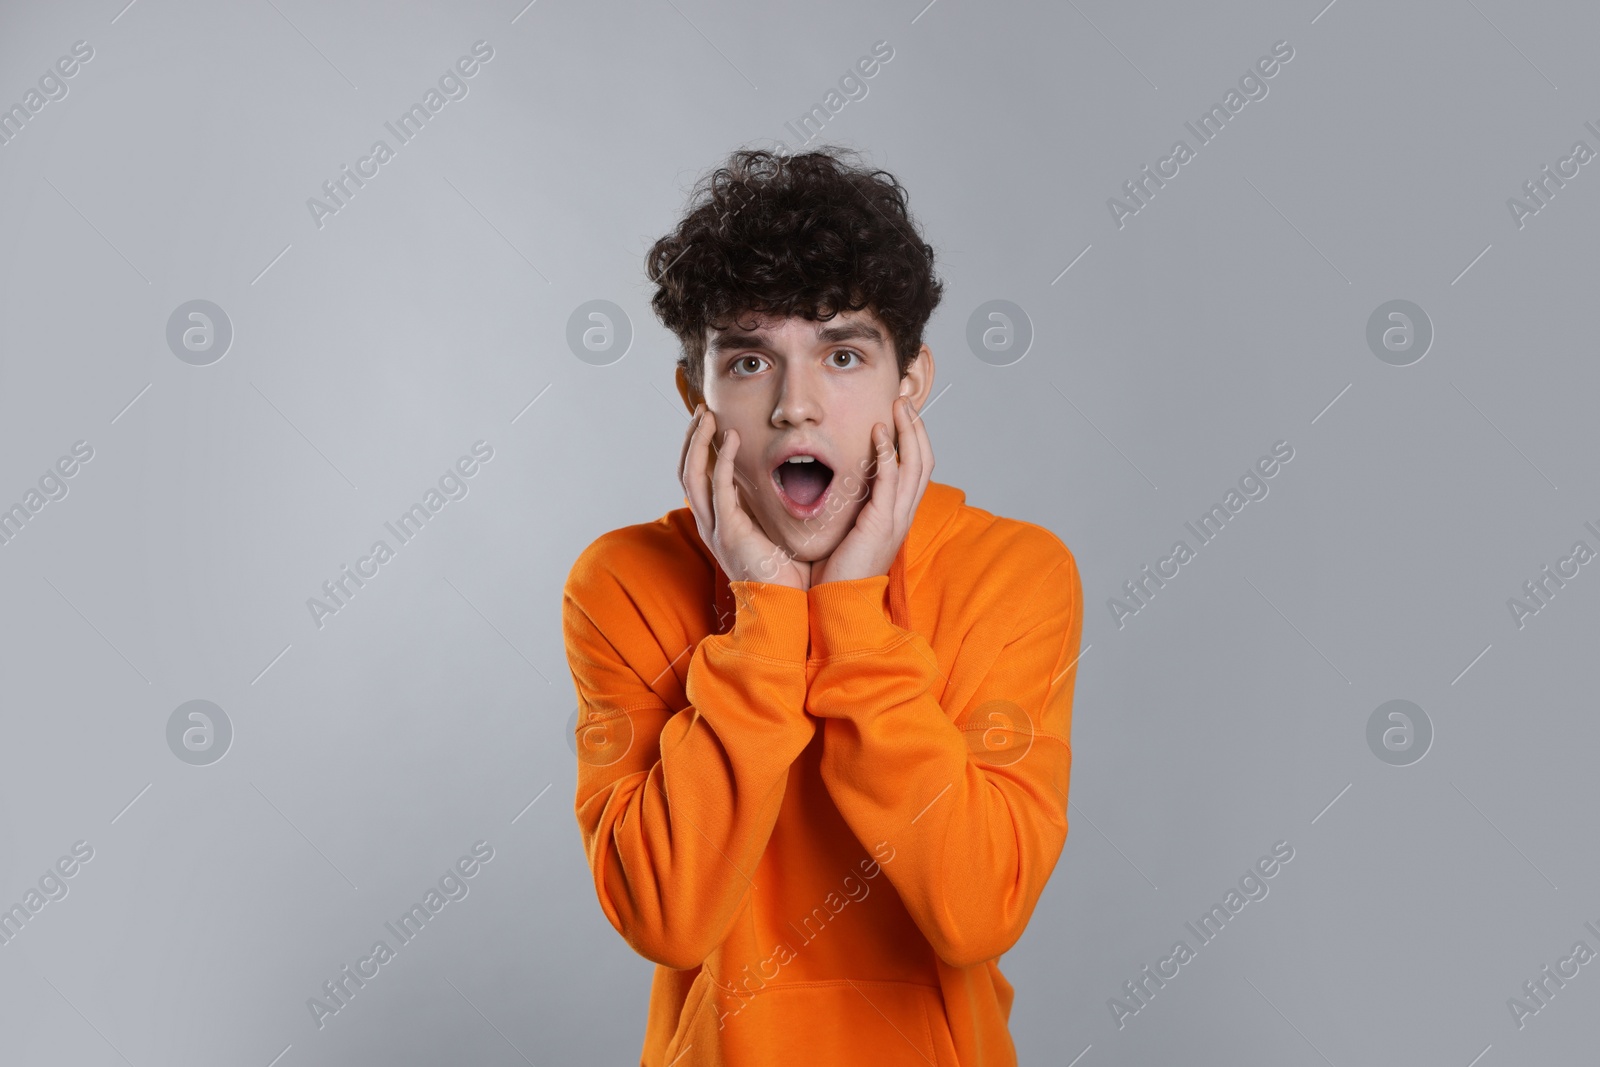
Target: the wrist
pixel 850 616
pixel 769 619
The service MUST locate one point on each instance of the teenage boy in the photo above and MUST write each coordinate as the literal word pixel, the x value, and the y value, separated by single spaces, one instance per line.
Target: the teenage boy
pixel 825 708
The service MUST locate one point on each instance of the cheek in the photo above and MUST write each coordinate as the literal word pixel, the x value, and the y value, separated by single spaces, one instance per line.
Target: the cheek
pixel 742 462
pixel 749 485
pixel 838 523
pixel 857 481
pixel 844 505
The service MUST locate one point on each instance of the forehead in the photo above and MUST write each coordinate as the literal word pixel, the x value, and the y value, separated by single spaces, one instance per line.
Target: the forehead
pixel 861 326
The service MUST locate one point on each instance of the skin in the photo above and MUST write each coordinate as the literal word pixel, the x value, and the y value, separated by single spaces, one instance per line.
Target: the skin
pixel 798 382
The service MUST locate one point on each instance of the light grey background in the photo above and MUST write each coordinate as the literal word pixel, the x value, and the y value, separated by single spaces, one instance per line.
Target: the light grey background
pixel 370 353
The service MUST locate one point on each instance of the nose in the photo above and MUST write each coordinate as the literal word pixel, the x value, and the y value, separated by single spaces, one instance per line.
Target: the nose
pixel 799 397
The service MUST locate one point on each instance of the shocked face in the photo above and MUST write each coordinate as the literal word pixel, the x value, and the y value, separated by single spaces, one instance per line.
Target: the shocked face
pixel 803 397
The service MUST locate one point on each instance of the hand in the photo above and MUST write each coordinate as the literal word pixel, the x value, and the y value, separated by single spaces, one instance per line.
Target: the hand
pixel 726 523
pixel 897 487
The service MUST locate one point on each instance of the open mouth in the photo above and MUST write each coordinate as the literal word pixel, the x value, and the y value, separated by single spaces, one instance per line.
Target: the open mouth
pixel 802 482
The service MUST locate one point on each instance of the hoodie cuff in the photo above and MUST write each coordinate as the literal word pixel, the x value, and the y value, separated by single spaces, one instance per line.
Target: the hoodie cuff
pixel 850 617
pixel 769 620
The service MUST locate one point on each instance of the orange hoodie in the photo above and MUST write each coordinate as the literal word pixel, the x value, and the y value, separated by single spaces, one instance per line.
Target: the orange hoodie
pixel 825 813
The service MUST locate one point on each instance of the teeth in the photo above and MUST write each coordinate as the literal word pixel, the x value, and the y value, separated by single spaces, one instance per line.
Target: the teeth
pixel 801 459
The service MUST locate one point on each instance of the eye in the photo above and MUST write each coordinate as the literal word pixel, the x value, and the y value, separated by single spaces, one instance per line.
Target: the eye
pixel 743 359
pixel 845 352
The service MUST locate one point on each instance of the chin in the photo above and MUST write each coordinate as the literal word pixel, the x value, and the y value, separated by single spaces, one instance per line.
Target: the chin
pixel 813 550
pixel 809 542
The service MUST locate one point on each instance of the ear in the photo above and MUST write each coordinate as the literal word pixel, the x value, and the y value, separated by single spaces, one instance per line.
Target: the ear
pixel 918 382
pixel 691 399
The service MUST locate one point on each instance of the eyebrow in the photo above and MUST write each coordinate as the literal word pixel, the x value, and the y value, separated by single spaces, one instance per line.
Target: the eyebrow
pixel 848 331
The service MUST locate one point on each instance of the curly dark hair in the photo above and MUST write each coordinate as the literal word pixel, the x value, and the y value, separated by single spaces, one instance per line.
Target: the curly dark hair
pixel 808 235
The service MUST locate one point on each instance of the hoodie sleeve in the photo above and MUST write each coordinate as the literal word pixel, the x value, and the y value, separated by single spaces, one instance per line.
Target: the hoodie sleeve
pixel 971 799
pixel 676 804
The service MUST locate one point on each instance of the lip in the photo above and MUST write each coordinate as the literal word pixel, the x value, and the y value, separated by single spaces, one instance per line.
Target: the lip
pixel 792 506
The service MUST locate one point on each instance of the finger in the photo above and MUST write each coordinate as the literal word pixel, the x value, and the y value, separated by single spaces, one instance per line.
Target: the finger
pixel 924 455
pixel 688 436
pixel 886 481
pixel 910 464
pixel 724 502
pixel 739 490
pixel 922 438
pixel 914 461
pixel 743 493
pixel 696 480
